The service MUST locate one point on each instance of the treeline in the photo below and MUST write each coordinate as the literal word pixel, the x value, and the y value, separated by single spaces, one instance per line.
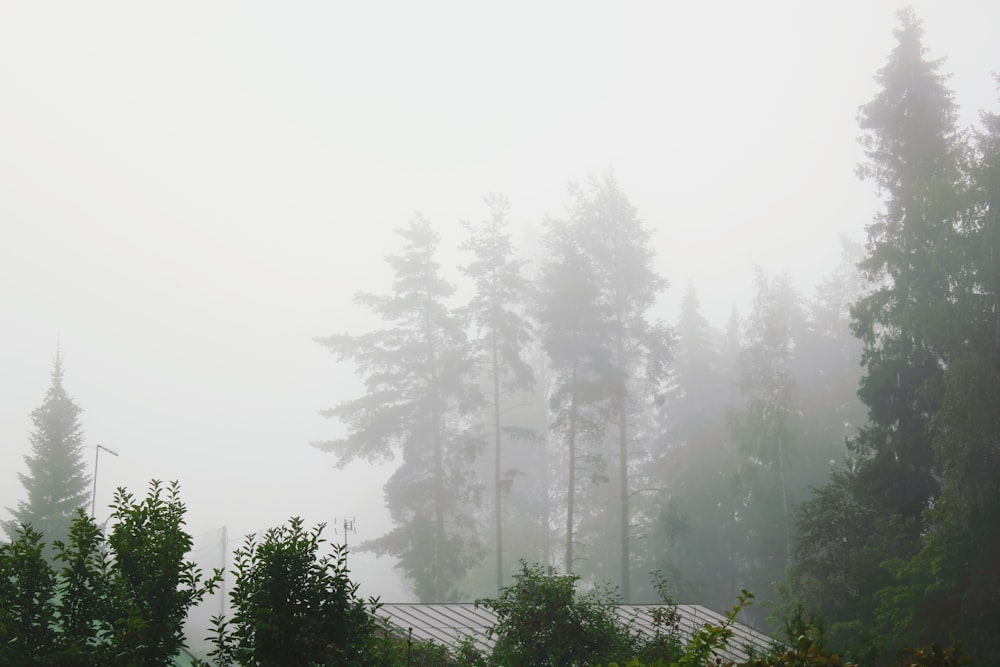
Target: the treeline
pixel 552 418
pixel 121 600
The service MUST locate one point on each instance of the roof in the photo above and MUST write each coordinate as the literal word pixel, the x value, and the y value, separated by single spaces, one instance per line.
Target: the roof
pixel 449 624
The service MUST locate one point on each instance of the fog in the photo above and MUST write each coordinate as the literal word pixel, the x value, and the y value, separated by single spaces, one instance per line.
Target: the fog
pixel 191 192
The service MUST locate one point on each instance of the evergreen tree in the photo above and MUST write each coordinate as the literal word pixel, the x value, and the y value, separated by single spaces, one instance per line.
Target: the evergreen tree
pixel 766 429
pixel 497 313
pixel 827 367
pixel 905 322
pixel 420 392
pixel 617 243
pixel 692 468
pixel 56 482
pixel 948 590
pixel 572 325
pixel 862 535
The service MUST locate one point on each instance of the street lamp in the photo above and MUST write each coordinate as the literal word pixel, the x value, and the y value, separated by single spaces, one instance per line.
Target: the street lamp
pixel 93 494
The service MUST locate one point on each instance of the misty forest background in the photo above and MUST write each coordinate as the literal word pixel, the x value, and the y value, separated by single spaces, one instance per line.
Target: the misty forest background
pixel 841 443
pixel 836 446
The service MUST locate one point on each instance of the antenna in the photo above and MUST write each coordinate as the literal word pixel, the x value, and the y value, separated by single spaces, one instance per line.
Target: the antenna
pixel 349 527
pixel 93 493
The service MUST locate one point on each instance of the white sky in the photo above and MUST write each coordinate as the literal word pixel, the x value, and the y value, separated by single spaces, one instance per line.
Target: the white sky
pixel 191 191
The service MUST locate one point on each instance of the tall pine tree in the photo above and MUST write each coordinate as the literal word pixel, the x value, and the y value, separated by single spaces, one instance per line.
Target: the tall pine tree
pixel 619 245
pixel 572 323
pixel 497 312
pixel 419 376
pixel 56 482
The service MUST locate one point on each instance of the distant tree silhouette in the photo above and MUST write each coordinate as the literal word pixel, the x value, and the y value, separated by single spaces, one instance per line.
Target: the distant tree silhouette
pixel 419 376
pixel 56 483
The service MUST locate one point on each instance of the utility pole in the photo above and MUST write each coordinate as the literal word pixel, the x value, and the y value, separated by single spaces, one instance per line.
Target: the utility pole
pixel 223 547
pixel 93 493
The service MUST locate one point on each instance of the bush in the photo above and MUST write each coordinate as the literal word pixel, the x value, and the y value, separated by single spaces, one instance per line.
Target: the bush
pixel 119 602
pixel 292 606
pixel 541 622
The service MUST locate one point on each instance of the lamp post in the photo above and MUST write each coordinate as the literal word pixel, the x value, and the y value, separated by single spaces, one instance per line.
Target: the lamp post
pixel 93 494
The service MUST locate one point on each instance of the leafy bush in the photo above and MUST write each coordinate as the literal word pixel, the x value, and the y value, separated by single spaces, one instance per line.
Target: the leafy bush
pixel 117 602
pixel 27 587
pixel 542 622
pixel 293 606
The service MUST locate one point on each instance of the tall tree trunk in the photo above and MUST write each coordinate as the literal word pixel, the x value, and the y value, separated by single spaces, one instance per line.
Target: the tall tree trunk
pixel 571 483
pixel 784 500
pixel 497 513
pixel 623 481
pixel 439 493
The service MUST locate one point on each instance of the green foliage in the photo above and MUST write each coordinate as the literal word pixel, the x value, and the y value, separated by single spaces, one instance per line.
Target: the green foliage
pixel 119 602
pixel 708 641
pixel 84 604
pixel 902 546
pixel 292 605
pixel 27 587
pixel 154 587
pixel 542 622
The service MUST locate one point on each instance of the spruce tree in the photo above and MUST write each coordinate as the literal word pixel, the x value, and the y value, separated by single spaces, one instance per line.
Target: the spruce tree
pixel 858 559
pixel 56 482
pixel 905 322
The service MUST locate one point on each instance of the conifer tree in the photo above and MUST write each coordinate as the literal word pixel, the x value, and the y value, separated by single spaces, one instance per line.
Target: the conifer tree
pixel 618 243
pixel 56 482
pixel 418 373
pixel 911 143
pixel 572 325
pixel 496 311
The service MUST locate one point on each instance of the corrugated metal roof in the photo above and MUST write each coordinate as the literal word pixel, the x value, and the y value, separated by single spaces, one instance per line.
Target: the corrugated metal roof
pixel 449 624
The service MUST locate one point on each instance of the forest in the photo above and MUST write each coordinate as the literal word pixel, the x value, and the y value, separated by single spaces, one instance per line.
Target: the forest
pixel 834 452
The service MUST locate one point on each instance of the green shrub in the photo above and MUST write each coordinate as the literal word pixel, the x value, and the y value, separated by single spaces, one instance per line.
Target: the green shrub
pixel 118 602
pixel 292 606
pixel 542 622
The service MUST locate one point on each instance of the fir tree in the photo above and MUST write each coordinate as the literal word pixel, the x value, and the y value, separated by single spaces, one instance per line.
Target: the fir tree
pixel 56 482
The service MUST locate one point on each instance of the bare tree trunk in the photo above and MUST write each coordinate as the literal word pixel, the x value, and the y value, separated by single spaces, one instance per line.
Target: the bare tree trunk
pixel 621 400
pixel 571 483
pixel 497 513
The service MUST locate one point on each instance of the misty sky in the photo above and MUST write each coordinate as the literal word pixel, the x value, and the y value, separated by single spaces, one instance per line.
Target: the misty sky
pixel 191 191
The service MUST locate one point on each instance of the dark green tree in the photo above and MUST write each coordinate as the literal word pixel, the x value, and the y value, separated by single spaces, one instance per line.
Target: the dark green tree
pixel 911 326
pixel 906 322
pixel 947 590
pixel 497 313
pixel 420 392
pixel 56 481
